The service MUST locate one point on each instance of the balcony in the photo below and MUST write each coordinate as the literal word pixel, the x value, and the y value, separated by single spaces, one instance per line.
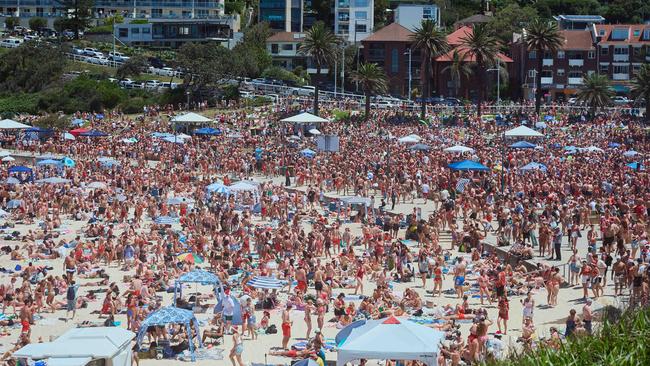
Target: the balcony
pixel 547 62
pixel 647 58
pixel 547 80
pixel 621 58
pixel 577 62
pixel 621 77
pixel 575 81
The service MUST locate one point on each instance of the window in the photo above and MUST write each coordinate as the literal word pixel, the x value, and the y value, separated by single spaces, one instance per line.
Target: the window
pixel 637 32
pixel 135 30
pixel 531 73
pixel 601 33
pixel 636 68
pixel 274 48
pixel 560 55
pixel 575 74
pixel 637 51
pixel 287 47
pixel 604 51
pixel 123 32
pixel 146 30
pixel 394 61
pixel 360 28
pixel 620 34
pixel 532 55
pixel 361 15
pixel 360 3
pixel 184 31
pixel 427 13
pixel 560 72
pixel 622 69
pixel 621 50
pixel 591 55
pixel 646 34
pixel 604 69
pixel 344 16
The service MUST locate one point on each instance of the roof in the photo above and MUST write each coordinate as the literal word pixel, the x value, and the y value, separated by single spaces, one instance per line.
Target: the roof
pixel 287 37
pixel 455 38
pixel 191 118
pixel 390 33
pixel 447 57
pixel 633 33
pixel 100 342
pixel 305 118
pixel 10 124
pixel 476 18
pixel 577 40
pixel 581 18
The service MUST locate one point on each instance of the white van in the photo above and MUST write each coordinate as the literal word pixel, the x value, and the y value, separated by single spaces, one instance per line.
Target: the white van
pixel 11 43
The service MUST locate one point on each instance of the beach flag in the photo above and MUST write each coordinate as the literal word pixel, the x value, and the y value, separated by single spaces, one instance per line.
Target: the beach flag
pixel 462 183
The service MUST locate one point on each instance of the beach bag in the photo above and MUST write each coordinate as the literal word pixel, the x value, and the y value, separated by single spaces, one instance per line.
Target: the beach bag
pixel 271 329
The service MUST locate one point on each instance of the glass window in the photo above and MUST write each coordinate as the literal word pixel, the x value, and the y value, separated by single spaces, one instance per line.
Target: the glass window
pixel 560 72
pixel 623 69
pixel 532 55
pixel 394 61
pixel 123 32
pixel 427 13
pixel 344 16
pixel 274 48
pixel 620 34
pixel 604 68
pixel 361 28
pixel 622 50
pixel 531 73
pixel 360 3
pixel 602 32
pixel 287 47
pixel 646 34
pixel 560 54
pixel 135 30
pixel 575 74
pixel 146 30
pixel 361 15
pixel 591 55
pixel 637 51
pixel 604 51
pixel 637 32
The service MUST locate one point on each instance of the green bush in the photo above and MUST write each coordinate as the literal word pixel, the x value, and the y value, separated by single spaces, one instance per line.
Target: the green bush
pixel 37 23
pixel 11 22
pixel 139 21
pixel 258 101
pixel 101 29
pixel 19 103
pixel 133 105
pixel 278 73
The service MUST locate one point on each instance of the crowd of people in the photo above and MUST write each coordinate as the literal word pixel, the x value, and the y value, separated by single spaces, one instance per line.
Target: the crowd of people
pixel 423 247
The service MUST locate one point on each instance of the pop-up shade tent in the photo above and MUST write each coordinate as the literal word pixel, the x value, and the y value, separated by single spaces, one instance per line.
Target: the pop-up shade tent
pixel 265 282
pixel 22 169
pixel 459 149
pixel 523 131
pixel 532 166
pixel 93 133
pixel 10 124
pixel 305 118
pixel 420 147
pixel 468 165
pixel 523 145
pixel 207 131
pixel 172 315
pixel 410 139
pixel 391 339
pixel 110 346
pixel 191 118
pixel 198 277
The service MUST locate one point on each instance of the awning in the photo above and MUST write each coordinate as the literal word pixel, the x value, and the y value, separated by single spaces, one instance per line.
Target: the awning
pixel 618 88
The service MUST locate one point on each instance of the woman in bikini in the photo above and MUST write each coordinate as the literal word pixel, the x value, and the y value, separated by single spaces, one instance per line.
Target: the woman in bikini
pixel 484 284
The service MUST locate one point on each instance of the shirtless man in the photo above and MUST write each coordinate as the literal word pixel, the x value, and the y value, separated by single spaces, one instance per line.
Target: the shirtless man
pixel 587 316
pixel 619 273
pixel 286 327
pixel 70 267
pixel 318 280
pixel 301 277
pixel 459 277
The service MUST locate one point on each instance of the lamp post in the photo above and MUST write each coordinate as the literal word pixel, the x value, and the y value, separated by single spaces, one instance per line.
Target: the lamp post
pixel 187 93
pixel 410 53
pixel 498 70
pixel 343 71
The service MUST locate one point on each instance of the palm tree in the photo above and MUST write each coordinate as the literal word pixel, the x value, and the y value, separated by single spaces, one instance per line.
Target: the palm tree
pixel 596 91
pixel 432 42
pixel 319 44
pixel 482 44
pixel 641 87
pixel 458 69
pixel 372 80
pixel 542 36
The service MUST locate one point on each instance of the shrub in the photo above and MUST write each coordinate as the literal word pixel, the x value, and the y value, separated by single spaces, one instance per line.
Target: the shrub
pixel 133 105
pixel 37 23
pixel 102 29
pixel 19 103
pixel 11 22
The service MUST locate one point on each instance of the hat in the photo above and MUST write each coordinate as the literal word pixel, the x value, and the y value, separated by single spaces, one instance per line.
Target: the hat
pixel 317 331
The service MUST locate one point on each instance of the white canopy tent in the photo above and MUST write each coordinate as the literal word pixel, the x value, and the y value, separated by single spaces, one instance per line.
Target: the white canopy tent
pixel 410 139
pixel 305 118
pixel 391 339
pixel 523 131
pixel 459 149
pixel 78 346
pixel 10 124
pixel 191 117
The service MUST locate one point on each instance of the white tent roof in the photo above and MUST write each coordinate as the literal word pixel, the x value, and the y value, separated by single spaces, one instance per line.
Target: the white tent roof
pixel 523 131
pixel 10 124
pixel 410 139
pixel 305 118
pixel 73 361
pixel 459 149
pixel 99 342
pixel 191 118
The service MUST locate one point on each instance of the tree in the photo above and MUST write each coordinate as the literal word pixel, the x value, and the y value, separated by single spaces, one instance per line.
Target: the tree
pixel 510 19
pixel 205 65
pixel 134 66
pixel 596 91
pixel 30 67
pixel 372 80
pixel 483 47
pixel 79 14
pixel 542 36
pixel 458 69
pixel 250 57
pixel 430 40
pixel 53 121
pixel 320 44
pixel 641 87
pixel 37 23
pixel 11 22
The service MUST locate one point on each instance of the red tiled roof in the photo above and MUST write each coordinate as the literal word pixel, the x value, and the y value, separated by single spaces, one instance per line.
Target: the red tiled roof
pixel 606 38
pixel 577 40
pixel 286 37
pixel 390 33
pixel 447 57
pixel 455 38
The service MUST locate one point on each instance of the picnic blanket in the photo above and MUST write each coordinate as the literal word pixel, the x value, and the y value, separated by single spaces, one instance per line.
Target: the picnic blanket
pixel 330 344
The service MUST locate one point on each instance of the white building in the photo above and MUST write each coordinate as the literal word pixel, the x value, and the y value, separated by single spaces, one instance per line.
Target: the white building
pixel 410 16
pixel 354 19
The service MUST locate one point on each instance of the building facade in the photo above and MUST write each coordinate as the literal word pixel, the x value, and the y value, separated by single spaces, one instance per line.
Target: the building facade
pixel 410 16
pixel 173 33
pixel 354 19
pixel 283 47
pixel 282 15
pixel 155 9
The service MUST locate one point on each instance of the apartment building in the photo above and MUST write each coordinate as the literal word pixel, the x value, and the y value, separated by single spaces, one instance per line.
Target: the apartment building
pixel 354 19
pixel 283 47
pixel 282 15
pixel 621 50
pixel 410 16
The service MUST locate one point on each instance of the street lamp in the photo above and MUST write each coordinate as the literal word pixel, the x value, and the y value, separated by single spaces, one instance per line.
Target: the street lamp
pixel 410 53
pixel 187 93
pixel 498 70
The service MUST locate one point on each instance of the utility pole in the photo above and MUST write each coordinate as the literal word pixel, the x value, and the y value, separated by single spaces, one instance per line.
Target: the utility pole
pixel 343 71
pixel 409 52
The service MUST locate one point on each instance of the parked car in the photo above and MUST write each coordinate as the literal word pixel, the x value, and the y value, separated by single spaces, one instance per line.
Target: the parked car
pixel 89 51
pixel 126 83
pixel 151 84
pixel 30 37
pixel 620 100
pixel 167 85
pixel 117 57
pixel 165 71
pixel 156 62
pixel 11 42
pixel 305 91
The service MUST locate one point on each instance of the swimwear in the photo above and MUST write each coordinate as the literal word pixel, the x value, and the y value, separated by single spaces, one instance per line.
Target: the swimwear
pixel 286 329
pixel 459 280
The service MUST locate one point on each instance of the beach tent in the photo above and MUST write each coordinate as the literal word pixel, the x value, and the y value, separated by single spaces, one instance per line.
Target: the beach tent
pixel 180 200
pixel 12 180
pixel 207 131
pixel 218 188
pixel 410 139
pixel 191 117
pixel 636 166
pixel 109 346
pixel 77 131
pixel 171 315
pixel 93 133
pixel 8 159
pixel 53 180
pixel 305 118
pixel 69 136
pixel 197 277
pixel 391 339
pixel 468 165
pixel 49 162
pixel 344 333
pixel 459 149
pixel 4 153
pixel 308 153
pixel 523 131
pixel 314 131
pixel 22 169
pixel 533 166
pixel 10 124
pixel 77 122
pixel 630 153
pixel 356 200
pixel 523 145
pixel 420 147
pixel 130 140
